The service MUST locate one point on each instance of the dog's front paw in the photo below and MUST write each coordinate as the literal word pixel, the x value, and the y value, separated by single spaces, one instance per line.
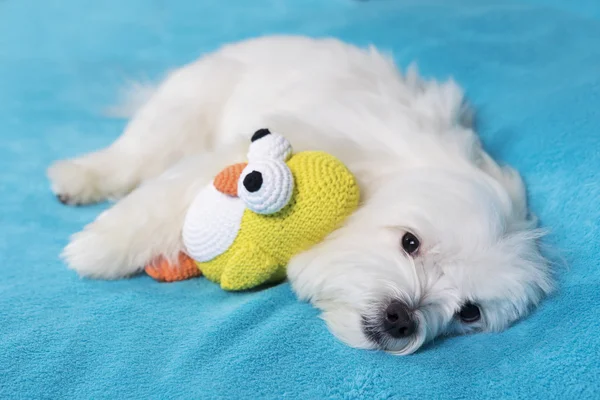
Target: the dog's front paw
pixel 102 251
pixel 93 253
pixel 73 183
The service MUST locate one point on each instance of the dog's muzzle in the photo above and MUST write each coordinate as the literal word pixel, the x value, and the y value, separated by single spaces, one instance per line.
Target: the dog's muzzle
pixel 395 321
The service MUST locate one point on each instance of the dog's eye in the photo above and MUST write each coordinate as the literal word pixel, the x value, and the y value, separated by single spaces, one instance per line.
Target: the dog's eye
pixel 469 313
pixel 410 243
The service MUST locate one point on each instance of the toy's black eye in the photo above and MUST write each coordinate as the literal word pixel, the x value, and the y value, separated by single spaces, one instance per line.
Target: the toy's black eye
pixel 266 187
pixel 410 243
pixel 253 181
pixel 259 134
pixel 469 313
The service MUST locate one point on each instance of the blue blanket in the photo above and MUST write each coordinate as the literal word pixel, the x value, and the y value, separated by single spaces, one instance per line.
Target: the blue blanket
pixel 532 69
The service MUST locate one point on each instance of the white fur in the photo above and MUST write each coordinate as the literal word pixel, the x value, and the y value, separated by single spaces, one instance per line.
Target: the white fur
pixel 409 141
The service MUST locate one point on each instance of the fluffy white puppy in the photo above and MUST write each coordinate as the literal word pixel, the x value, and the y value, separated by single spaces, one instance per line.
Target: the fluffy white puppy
pixel 442 242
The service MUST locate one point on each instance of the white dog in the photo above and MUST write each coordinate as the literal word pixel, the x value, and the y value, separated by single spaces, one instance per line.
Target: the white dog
pixel 442 242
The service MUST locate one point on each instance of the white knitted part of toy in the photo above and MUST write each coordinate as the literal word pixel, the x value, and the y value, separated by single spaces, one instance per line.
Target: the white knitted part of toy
pixel 211 224
pixel 270 147
pixel 276 189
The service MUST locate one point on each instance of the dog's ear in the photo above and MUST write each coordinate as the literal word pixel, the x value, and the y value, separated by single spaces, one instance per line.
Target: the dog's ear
pixel 511 181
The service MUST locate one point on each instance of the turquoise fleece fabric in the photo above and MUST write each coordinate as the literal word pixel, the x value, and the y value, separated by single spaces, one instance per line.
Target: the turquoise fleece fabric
pixel 530 67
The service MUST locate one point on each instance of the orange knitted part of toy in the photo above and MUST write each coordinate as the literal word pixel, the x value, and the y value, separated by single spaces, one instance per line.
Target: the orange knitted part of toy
pixel 227 180
pixel 163 270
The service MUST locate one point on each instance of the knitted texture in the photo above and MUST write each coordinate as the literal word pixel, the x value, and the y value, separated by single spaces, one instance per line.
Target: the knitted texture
pixel 270 146
pixel 163 270
pixel 323 194
pixel 531 68
pixel 276 186
pixel 227 180
pixel 212 223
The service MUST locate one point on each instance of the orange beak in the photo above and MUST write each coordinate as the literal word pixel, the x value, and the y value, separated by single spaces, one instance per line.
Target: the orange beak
pixel 227 180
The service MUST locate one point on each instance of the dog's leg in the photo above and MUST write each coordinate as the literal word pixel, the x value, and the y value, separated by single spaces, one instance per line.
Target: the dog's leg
pixel 147 222
pixel 178 120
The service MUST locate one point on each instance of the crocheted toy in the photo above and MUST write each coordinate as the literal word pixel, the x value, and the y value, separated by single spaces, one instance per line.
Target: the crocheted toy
pixel 163 270
pixel 243 228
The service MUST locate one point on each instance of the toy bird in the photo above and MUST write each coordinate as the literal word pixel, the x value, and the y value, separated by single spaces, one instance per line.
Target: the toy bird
pixel 243 228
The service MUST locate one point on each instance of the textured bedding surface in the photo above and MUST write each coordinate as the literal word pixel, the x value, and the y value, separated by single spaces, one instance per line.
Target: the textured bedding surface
pixel 531 68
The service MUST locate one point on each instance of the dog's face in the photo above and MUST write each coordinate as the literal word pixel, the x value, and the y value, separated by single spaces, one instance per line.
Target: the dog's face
pixel 430 252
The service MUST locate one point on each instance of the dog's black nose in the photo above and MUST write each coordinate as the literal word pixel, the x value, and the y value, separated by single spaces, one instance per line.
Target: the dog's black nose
pixel 253 181
pixel 397 321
